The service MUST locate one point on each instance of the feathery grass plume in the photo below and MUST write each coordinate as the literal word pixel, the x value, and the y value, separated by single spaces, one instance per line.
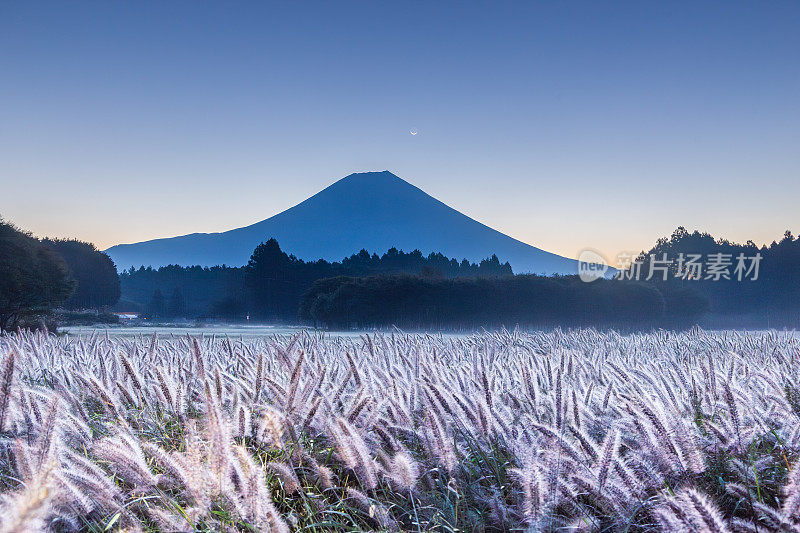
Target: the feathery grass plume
pixel 136 379
pixel 170 520
pixel 487 390
pixel 732 410
pixel 629 478
pixel 689 510
pixel 586 443
pixel 712 374
pixel 271 428
pixel 218 384
pixel 404 471
pixel 671 516
pixel 25 408
pixel 198 358
pixel 28 509
pixel 558 406
pixel 25 459
pixel 483 419
pixel 336 396
pixel 773 519
pixel 6 381
pixel 439 443
pixel 291 484
pixel 433 390
pixel 564 445
pixel 256 499
pixel 49 434
pixel 468 411
pixel 277 390
pixel 33 404
pixel 357 453
pixel 374 509
pixel 309 418
pixel 605 502
pixel 791 502
pixel 353 369
pixel 153 345
pixel 70 500
pixel 125 457
pixel 531 481
pixel 243 421
pixel 608 456
pixel 294 381
pixel 166 387
pixel 588 396
pixel 257 381
pixel 499 514
pixel 358 406
pixel 681 376
pixel 791 392
pixel 670 394
pixel 126 394
pixel 686 442
pixel 386 438
pixel 103 372
pixel 90 478
pixel 176 472
pixel 669 449
pixel 219 435
pixel 707 516
pixel 108 401
pixel 323 475
pixel 70 398
pixel 314 388
pixel 607 396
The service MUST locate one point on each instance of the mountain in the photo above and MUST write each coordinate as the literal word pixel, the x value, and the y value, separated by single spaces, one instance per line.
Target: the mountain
pixel 370 210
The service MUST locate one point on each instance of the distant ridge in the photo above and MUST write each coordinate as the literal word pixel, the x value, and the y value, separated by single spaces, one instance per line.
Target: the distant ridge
pixel 370 210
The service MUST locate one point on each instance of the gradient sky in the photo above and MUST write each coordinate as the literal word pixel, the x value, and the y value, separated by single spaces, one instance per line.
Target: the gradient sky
pixel 564 124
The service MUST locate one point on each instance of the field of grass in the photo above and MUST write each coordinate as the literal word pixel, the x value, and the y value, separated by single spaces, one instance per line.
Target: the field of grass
pixel 559 431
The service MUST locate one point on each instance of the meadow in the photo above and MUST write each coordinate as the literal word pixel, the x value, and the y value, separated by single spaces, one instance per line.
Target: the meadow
pixel 505 431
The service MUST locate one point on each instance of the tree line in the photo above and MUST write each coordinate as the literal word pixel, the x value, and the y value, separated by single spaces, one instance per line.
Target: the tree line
pixel 525 300
pixel 772 299
pixel 399 288
pixel 272 284
pixel 37 276
pixel 664 292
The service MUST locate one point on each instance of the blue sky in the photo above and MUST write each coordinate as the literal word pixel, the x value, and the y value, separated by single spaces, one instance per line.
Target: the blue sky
pixel 564 124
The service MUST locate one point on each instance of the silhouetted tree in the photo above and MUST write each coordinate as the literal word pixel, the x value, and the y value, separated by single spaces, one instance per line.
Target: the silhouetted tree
pixel 33 278
pixel 95 273
pixel 266 278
